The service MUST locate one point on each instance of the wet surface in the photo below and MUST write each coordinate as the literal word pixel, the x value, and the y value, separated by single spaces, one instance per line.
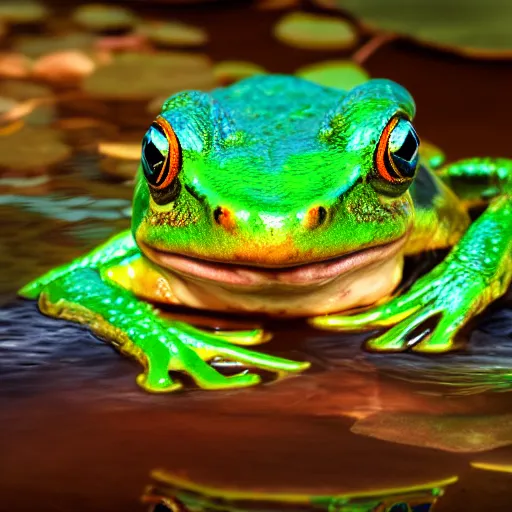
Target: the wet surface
pixel 77 433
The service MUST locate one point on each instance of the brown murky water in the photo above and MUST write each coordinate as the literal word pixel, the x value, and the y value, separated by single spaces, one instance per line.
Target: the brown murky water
pixel 75 431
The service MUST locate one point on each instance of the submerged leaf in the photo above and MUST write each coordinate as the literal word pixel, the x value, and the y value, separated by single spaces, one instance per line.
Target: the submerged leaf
pixel 469 434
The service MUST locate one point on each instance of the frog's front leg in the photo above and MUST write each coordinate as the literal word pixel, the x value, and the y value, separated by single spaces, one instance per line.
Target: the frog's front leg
pixel 160 345
pixel 475 273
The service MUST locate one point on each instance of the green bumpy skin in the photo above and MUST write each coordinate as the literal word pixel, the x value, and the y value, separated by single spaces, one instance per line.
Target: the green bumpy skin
pixel 283 197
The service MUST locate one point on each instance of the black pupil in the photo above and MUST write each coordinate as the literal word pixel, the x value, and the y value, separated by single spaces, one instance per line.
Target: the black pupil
pixel 154 158
pixel 409 147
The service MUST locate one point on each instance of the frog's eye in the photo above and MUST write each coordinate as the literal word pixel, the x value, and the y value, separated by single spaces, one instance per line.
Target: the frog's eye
pixel 397 154
pixel 160 155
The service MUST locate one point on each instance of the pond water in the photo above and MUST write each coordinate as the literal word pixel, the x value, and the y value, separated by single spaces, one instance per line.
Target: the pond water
pixel 357 432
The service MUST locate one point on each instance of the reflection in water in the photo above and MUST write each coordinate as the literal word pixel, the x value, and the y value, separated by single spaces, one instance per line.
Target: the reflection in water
pixel 170 493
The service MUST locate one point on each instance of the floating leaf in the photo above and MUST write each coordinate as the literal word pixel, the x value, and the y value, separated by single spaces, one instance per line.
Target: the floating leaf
pixel 174 33
pixel 31 151
pixel 37 46
pixel 19 12
pixel 125 43
pixel 156 75
pixel 341 74
pixel 122 151
pixel 315 32
pixel 104 18
pixel 14 65
pixel 470 27
pixel 449 433
pixel 63 67
pixel 230 71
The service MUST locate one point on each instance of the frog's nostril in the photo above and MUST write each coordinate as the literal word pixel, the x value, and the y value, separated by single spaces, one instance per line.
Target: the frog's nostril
pixel 224 217
pixel 315 217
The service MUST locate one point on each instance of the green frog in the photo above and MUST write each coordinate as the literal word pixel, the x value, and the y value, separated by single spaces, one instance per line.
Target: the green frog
pixel 282 197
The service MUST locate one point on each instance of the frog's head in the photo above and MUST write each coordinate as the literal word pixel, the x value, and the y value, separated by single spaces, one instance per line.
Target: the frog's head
pixel 277 186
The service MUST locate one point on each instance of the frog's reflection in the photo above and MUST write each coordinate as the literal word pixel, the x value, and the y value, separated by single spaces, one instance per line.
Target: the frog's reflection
pixel 169 493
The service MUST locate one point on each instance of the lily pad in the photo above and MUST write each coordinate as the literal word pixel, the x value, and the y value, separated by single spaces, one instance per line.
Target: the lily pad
pixel 121 150
pixel 133 76
pixel 14 65
pixel 464 434
pixel 21 90
pixel 32 151
pixel 31 104
pixel 315 32
pixel 63 67
pixel 104 18
pixel 472 27
pixel 16 12
pixel 341 74
pixel 230 71
pixel 174 33
pixel 37 46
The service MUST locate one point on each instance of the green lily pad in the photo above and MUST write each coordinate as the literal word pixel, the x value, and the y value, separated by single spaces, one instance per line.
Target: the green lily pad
pixel 104 18
pixel 341 74
pixel 37 46
pixel 469 27
pixel 160 74
pixel 174 33
pixel 315 32
pixel 16 12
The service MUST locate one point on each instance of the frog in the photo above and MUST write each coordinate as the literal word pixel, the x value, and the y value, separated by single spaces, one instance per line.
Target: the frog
pixel 280 197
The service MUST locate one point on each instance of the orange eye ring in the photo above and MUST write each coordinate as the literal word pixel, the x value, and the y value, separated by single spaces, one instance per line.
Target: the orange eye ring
pixel 171 165
pixel 398 166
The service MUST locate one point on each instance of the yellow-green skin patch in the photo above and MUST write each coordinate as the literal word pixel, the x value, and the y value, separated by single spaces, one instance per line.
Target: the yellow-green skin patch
pixel 267 152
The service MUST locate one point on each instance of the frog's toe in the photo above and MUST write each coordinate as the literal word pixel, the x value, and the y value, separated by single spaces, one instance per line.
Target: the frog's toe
pixel 207 377
pixel 157 384
pixel 258 360
pixel 442 338
pixel 401 336
pixel 250 337
pixel 346 322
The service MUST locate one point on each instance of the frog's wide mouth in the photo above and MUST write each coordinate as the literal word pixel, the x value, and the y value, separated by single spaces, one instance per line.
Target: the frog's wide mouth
pixel 255 275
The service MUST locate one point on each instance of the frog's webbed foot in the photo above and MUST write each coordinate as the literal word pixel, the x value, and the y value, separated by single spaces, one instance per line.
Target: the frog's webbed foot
pixel 427 318
pixel 160 345
pixel 222 344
